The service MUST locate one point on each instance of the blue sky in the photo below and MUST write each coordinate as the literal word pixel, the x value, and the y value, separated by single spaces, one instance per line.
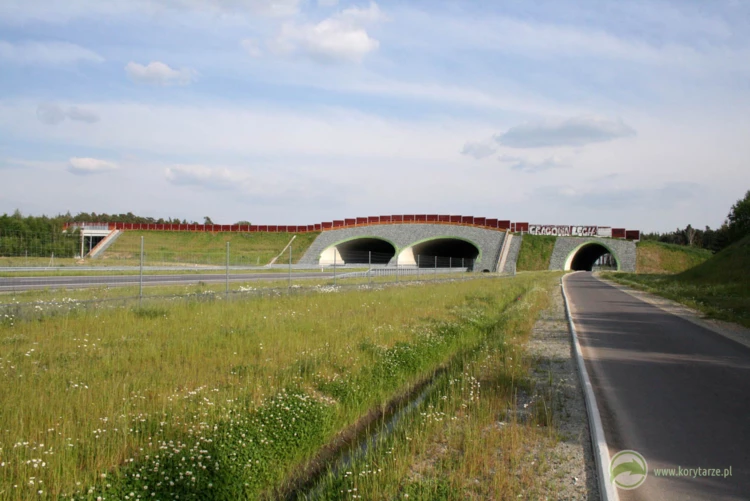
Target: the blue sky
pixel 631 114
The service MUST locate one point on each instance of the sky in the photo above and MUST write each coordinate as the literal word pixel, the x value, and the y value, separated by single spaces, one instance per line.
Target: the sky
pixel 588 112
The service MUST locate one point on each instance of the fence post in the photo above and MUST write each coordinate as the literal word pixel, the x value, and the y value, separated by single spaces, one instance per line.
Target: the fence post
pixel 227 276
pixel 417 266
pixel 462 263
pixel 369 266
pixel 290 269
pixel 334 266
pixel 435 265
pixel 450 264
pixel 140 277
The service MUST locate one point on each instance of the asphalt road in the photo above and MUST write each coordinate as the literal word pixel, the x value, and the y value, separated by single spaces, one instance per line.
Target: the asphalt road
pixel 71 282
pixel 673 391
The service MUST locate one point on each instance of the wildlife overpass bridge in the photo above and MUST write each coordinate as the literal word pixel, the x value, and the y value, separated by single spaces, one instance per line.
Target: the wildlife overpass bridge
pixel 427 241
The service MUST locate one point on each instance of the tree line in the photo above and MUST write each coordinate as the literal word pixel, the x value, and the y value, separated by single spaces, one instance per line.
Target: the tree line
pixel 735 227
pixel 36 236
pixel 42 235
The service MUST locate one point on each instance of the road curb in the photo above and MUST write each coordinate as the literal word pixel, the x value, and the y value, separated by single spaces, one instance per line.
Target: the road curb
pixel 607 491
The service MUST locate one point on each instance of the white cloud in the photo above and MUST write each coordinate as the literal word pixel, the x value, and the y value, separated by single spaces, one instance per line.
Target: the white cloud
pixel 577 131
pixel 251 47
pixel 230 130
pixel 341 37
pixel 82 115
pixel 52 114
pixel 532 166
pixel 260 142
pixel 84 166
pixel 158 73
pixel 327 3
pixel 216 178
pixel 358 15
pixel 666 196
pixel 46 53
pixel 479 149
pixel 53 11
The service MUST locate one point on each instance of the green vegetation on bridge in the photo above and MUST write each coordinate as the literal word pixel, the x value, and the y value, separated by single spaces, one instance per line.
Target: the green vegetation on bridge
pixel 535 253
pixel 206 248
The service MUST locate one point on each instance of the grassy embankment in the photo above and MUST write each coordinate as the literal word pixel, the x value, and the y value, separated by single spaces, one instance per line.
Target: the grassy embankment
pixel 162 247
pixel 535 253
pixel 224 400
pixel 185 248
pixel 657 257
pixel 719 287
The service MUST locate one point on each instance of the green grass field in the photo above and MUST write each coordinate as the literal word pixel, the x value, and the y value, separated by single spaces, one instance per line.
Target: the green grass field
pixel 204 248
pixel 657 257
pixel 225 400
pixel 719 286
pixel 535 253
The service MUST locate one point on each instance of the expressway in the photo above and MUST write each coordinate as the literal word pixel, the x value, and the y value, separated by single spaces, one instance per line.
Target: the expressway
pixel 18 284
pixel 676 392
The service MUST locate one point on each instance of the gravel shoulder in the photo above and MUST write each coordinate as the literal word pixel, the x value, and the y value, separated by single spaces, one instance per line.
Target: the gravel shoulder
pixel 571 474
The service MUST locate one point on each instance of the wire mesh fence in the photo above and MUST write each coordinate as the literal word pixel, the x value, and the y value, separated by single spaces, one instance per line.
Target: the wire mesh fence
pixel 38 249
pixel 165 249
pixel 32 305
pixel 150 270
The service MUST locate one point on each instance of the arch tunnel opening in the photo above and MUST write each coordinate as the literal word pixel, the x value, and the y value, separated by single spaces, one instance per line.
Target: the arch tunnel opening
pixel 593 256
pixel 362 250
pixel 444 253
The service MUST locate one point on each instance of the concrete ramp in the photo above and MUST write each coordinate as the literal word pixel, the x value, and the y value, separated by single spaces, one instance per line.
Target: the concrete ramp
pixel 104 244
pixel 273 261
pixel 504 253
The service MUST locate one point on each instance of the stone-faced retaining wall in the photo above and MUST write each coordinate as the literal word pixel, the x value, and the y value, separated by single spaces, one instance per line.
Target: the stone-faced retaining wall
pixel 489 242
pixel 623 250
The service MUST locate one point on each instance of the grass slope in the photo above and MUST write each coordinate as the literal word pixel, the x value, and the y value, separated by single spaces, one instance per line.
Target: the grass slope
pixel 535 253
pixel 220 400
pixel 206 248
pixel 659 257
pixel 719 287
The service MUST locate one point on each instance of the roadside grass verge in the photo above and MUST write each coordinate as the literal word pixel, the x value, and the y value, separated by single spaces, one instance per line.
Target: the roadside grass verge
pixel 480 433
pixel 719 287
pixel 105 272
pixel 535 253
pixel 219 399
pixel 53 296
pixel 658 257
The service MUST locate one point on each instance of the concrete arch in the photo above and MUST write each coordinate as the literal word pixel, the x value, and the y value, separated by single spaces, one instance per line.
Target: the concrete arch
pixel 359 250
pixel 401 236
pixel 566 248
pixel 450 248
pixel 597 249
